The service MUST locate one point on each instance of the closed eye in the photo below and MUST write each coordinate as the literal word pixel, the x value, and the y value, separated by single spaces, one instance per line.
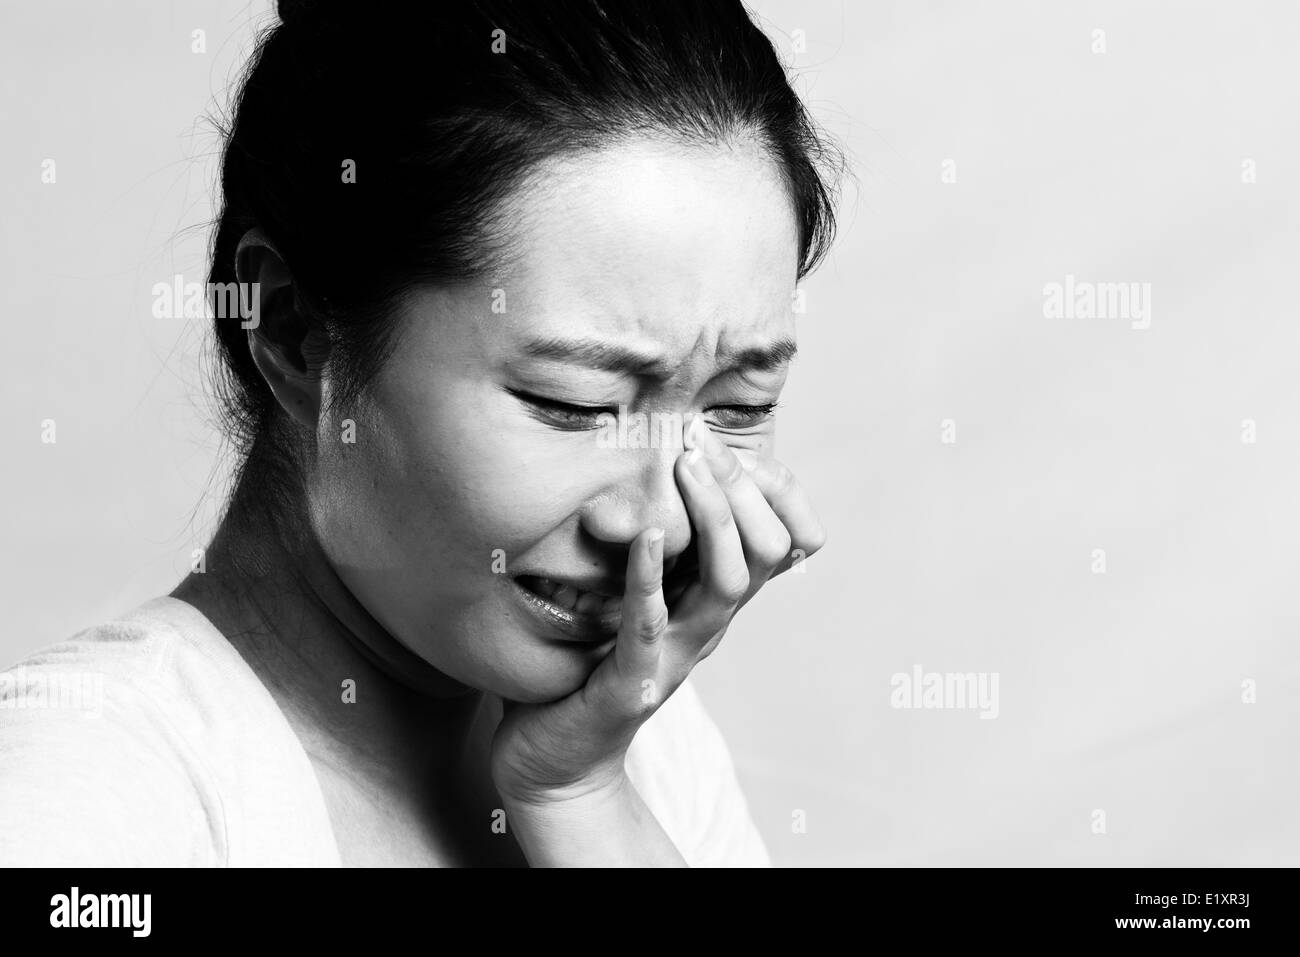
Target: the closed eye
pixel 572 417
pixel 742 416
pixel 564 415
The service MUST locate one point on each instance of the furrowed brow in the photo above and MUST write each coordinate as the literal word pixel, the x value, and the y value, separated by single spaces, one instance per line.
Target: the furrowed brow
pixel 766 358
pixel 595 355
pixel 608 357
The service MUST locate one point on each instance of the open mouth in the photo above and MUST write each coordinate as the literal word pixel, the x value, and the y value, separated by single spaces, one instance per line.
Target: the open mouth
pixel 588 604
pixel 591 614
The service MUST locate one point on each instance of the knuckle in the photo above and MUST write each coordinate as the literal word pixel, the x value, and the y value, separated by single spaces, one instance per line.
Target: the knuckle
pixel 783 480
pixel 724 520
pixel 649 589
pixel 776 549
pixel 734 586
pixel 654 624
pixel 622 702
pixel 816 539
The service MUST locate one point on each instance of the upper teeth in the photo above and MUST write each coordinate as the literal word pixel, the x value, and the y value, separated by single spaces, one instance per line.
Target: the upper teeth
pixel 573 599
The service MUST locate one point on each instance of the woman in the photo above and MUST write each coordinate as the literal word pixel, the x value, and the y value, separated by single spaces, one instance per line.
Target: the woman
pixel 450 610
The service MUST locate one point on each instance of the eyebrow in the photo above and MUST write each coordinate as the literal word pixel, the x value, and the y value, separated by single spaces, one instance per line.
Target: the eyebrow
pixel 608 357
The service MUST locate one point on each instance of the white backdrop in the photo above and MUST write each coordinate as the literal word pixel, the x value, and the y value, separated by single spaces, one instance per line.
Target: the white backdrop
pixel 1103 515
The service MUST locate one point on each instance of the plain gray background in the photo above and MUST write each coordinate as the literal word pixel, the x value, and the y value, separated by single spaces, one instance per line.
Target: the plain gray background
pixel 1120 692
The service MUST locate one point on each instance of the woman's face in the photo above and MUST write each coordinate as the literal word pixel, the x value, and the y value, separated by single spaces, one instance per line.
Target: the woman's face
pixel 645 275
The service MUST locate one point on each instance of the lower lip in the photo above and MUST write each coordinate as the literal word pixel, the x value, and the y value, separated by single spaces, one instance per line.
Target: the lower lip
pixel 587 629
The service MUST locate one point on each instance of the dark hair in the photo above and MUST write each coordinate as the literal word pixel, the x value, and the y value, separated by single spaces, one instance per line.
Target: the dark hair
pixel 442 128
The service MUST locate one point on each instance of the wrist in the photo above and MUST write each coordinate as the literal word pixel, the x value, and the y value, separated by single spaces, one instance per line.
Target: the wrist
pixel 602 823
pixel 598 786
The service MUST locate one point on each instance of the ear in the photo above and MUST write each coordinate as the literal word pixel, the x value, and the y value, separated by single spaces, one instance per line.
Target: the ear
pixel 286 348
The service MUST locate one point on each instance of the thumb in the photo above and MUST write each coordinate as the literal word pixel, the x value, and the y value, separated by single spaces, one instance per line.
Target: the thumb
pixel 632 681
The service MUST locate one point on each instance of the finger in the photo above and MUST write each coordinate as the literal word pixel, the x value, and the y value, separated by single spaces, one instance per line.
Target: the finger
pixel 763 535
pixel 790 503
pixel 724 575
pixel 645 621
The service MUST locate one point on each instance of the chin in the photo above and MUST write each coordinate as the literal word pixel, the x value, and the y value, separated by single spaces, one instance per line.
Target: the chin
pixel 502 655
pixel 554 673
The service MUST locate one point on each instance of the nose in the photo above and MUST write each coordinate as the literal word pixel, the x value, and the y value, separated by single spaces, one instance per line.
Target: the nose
pixel 642 491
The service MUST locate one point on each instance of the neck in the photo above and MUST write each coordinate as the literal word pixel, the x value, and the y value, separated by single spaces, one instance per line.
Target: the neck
pixel 271 590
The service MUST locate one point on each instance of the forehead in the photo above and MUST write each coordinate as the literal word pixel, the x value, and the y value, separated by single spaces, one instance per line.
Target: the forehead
pixel 687 250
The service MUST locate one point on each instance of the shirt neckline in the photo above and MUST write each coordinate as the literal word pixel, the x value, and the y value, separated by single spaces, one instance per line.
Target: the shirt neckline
pixel 193 626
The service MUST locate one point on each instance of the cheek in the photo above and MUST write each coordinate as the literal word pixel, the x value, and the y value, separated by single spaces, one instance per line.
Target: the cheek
pixel 492 477
pixel 758 445
pixel 416 537
pixel 440 493
pixel 402 501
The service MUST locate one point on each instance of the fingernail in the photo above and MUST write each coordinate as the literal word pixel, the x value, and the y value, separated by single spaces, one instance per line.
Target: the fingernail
pixel 697 431
pixel 748 459
pixel 699 467
pixel 656 542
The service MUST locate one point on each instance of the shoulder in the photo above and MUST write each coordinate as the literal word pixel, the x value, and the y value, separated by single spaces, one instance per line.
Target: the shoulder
pixel 93 750
pixel 137 742
pixel 683 769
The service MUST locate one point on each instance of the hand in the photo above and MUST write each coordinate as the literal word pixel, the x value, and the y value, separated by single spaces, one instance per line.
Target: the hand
pixel 752 522
pixel 772 517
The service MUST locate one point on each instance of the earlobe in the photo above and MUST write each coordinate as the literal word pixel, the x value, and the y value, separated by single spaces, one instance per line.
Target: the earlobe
pixel 279 339
pixel 296 387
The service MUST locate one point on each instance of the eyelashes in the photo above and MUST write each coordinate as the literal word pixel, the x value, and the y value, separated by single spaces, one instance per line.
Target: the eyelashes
pixel 570 417
pixel 751 415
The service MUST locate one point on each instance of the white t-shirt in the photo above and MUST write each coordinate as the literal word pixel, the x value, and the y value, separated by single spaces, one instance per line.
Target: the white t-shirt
pixel 149 741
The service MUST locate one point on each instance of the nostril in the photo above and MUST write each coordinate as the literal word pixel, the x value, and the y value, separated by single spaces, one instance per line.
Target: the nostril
pixel 682 566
